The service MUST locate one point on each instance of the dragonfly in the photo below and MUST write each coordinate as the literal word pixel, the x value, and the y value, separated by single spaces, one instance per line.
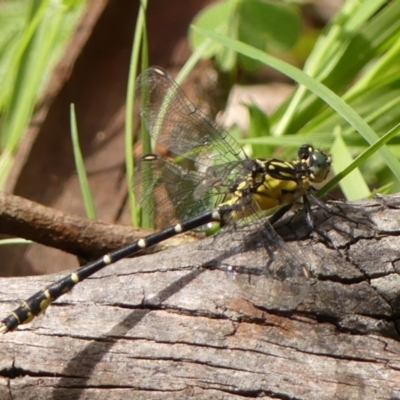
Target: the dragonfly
pixel 208 179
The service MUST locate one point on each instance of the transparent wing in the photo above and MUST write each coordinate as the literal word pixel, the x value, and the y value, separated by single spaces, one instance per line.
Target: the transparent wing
pixel 176 124
pixel 277 277
pixel 279 281
pixel 166 191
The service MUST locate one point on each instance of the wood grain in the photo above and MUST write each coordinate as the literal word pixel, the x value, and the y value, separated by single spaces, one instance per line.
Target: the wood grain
pixel 161 326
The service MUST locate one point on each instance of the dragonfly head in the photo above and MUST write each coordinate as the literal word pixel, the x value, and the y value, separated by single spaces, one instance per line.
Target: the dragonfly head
pixel 318 162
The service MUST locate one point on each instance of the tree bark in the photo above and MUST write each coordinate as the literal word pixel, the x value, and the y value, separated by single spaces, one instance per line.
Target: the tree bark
pixel 162 326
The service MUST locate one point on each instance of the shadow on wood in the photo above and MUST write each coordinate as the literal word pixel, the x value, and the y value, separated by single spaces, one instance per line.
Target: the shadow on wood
pixel 160 326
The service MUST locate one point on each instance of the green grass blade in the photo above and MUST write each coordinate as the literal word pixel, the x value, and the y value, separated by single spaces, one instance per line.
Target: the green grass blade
pixel 130 100
pixel 360 159
pixel 80 167
pixel 24 62
pixel 353 185
pixel 368 41
pixel 196 56
pixel 7 242
pixel 314 86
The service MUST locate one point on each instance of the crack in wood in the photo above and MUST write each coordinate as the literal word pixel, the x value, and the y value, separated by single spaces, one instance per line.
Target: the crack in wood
pixel 343 326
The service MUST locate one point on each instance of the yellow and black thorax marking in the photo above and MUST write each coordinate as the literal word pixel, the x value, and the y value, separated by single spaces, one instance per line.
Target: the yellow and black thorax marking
pixel 272 182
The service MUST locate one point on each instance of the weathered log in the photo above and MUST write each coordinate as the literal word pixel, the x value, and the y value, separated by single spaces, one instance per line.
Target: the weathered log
pixel 161 326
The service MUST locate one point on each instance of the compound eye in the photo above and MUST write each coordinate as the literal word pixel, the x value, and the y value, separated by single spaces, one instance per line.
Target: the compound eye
pixel 305 151
pixel 320 165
